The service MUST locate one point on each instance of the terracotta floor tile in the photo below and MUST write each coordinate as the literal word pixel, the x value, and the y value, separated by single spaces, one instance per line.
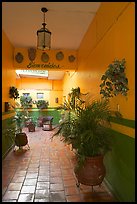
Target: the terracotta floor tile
pixel 26 197
pixel 18 179
pixel 56 180
pixel 42 200
pixel 14 186
pixel 56 187
pixel 30 182
pixel 33 170
pixel 9 201
pixel 42 185
pixel 71 182
pixel 21 173
pixel 45 173
pixel 57 197
pixel 43 178
pixel 71 190
pixel 73 198
pixel 40 194
pixel 28 189
pixel 10 195
pixel 32 175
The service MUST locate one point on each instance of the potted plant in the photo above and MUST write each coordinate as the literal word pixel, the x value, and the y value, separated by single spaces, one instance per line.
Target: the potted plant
pixel 13 92
pixel 41 104
pixel 86 129
pixel 20 137
pixel 114 80
pixel 26 101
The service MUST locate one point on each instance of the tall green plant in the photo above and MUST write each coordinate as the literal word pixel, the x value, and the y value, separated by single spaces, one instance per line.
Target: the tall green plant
pixel 26 101
pixel 87 130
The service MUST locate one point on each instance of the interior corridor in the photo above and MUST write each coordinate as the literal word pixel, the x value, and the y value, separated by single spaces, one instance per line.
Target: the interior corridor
pixel 45 173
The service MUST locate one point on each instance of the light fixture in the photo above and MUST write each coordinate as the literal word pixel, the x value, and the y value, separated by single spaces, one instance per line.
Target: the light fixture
pixel 43 35
pixel 32 73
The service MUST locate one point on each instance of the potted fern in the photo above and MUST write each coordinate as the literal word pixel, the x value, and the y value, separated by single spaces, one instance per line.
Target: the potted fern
pixel 87 129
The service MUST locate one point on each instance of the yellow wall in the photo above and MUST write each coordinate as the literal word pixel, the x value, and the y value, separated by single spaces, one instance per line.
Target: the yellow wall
pixel 8 72
pixel 110 36
pixel 51 89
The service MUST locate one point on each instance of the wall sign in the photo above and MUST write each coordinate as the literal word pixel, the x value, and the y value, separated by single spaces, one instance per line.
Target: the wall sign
pixel 49 65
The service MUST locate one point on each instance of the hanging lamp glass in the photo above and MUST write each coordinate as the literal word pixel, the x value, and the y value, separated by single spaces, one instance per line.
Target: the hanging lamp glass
pixel 43 35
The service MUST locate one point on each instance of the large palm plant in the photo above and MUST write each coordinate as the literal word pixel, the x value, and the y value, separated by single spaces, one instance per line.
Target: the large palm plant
pixel 87 130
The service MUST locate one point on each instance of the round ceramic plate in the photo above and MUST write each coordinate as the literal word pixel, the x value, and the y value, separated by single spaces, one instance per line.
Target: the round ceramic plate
pixel 44 57
pixel 19 57
pixel 59 56
pixel 71 58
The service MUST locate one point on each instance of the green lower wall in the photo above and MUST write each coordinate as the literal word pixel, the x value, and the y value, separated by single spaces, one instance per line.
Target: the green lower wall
pixel 7 137
pixel 35 113
pixel 120 167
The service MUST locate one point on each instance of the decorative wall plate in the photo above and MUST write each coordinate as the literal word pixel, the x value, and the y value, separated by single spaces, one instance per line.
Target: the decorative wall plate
pixel 71 58
pixel 19 57
pixel 59 56
pixel 32 53
pixel 44 57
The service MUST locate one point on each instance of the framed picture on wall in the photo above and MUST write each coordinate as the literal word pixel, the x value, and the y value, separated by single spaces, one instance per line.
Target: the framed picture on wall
pixel 40 95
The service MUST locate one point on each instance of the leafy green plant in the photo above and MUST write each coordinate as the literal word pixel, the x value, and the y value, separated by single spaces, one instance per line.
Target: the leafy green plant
pixel 114 81
pixel 87 129
pixel 26 101
pixel 13 92
pixel 41 104
pixel 19 120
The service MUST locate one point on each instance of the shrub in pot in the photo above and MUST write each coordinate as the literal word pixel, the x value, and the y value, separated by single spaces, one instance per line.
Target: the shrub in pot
pixel 87 130
pixel 26 102
pixel 20 137
pixel 41 104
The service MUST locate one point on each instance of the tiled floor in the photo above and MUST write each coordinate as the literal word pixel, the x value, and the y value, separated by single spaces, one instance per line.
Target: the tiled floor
pixel 45 174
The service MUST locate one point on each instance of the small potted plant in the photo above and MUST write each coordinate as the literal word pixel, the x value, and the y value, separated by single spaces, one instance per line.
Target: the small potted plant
pixel 26 101
pixel 13 92
pixel 42 104
pixel 20 137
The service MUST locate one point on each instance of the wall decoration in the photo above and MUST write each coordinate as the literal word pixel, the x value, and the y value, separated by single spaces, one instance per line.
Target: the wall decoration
pixel 49 65
pixel 32 53
pixel 44 57
pixel 19 57
pixel 59 56
pixel 71 58
pixel 114 81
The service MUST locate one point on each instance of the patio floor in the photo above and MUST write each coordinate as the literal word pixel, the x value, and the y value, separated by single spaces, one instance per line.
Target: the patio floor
pixel 45 173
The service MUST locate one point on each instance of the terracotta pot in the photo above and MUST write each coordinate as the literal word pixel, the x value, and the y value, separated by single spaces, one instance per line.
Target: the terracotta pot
pixel 21 139
pixel 31 127
pixel 92 172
